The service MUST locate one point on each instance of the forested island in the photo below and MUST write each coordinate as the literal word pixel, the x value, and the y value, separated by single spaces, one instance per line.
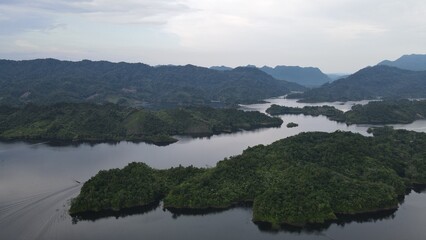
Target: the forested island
pixel 308 178
pixel 292 125
pixel 328 111
pixel 78 122
pixel 376 112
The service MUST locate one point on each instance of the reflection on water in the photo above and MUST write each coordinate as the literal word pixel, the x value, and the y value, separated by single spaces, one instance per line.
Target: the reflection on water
pixel 341 221
pixel 207 211
pixel 419 188
pixel 37 182
pixel 93 216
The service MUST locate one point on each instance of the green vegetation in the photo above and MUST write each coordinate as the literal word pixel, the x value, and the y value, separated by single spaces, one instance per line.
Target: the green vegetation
pixel 370 83
pixel 108 122
pixel 135 185
pixel 292 125
pixel 386 112
pixel 376 112
pixel 308 178
pixel 328 111
pixel 47 81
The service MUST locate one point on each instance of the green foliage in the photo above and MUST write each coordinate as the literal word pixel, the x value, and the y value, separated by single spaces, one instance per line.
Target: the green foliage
pixel 108 122
pixel 135 185
pixel 328 111
pixel 376 112
pixel 385 112
pixel 64 122
pixel 307 178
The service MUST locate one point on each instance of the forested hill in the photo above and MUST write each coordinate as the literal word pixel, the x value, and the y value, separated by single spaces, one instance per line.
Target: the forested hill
pixel 109 122
pixel 370 83
pixel 46 81
pixel 376 112
pixel 305 76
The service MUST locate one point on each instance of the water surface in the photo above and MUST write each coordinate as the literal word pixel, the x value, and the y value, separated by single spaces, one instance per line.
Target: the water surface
pixel 38 180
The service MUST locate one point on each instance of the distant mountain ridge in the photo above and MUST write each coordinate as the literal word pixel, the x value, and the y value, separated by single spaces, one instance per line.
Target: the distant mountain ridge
pixel 221 68
pixel 413 62
pixel 305 76
pixel 370 83
pixel 46 81
pixel 336 76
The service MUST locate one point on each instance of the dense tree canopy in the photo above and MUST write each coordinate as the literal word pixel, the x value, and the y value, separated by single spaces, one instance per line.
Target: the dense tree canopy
pixel 308 178
pixel 376 112
pixel 135 185
pixel 328 111
pixel 108 122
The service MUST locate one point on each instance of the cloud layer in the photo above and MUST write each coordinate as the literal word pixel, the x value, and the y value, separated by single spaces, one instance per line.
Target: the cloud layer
pixel 336 35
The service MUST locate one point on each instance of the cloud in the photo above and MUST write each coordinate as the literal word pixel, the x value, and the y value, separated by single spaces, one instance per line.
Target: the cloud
pixel 305 32
pixel 335 20
pixel 111 11
pixel 22 47
pixel 26 46
pixel 333 34
pixel 16 20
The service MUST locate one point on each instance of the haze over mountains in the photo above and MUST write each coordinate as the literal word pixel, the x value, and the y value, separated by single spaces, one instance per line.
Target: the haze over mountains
pixel 46 81
pixel 335 76
pixel 221 68
pixel 370 83
pixel 305 76
pixel 414 62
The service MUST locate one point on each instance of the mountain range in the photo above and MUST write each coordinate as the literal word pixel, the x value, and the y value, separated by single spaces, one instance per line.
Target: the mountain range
pixel 46 81
pixel 370 83
pixel 305 76
pixel 414 62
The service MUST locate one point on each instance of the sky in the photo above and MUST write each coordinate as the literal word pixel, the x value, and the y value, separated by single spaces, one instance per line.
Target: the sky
pixel 338 36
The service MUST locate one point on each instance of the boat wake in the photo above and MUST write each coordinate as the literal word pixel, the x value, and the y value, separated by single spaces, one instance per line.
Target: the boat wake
pixel 35 216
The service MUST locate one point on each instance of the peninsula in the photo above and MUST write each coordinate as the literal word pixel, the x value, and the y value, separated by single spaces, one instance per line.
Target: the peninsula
pixel 308 178
pixel 87 122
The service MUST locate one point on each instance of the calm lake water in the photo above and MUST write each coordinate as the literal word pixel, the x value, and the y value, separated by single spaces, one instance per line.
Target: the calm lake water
pixel 37 182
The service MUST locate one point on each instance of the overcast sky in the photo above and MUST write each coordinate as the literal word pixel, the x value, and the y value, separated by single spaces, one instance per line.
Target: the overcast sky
pixel 334 35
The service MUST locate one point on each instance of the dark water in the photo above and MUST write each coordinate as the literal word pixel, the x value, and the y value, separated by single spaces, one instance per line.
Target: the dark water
pixel 37 182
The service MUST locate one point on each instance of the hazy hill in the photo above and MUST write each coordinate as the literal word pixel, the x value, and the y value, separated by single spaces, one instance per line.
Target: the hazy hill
pixel 370 83
pixel 414 62
pixel 221 68
pixel 306 76
pixel 46 81
pixel 336 76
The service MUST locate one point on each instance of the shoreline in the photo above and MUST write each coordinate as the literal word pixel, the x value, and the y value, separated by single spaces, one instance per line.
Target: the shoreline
pixel 168 139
